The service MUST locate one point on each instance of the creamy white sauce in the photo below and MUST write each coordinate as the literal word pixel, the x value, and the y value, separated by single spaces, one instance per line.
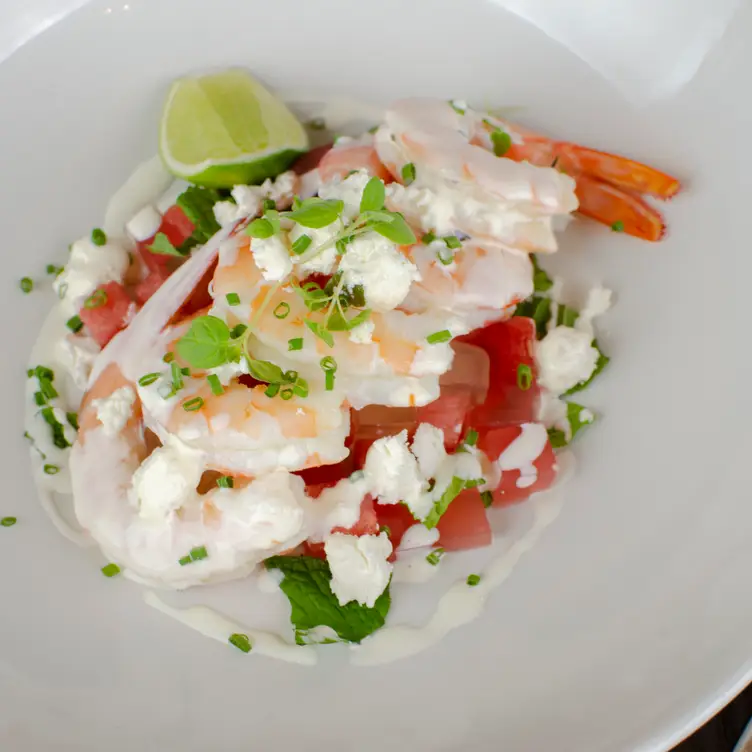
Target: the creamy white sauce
pixel 413 567
pixel 211 623
pixel 462 603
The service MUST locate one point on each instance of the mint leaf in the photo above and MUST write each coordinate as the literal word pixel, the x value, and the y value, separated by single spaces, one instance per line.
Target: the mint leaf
pixel 600 364
pixel 452 491
pixel 316 212
pixel 398 231
pixel 320 332
pixel 162 246
pixel 541 281
pixel 338 323
pixel 313 296
pixel 373 196
pixel 307 585
pixel 207 343
pixel 260 228
pixel 537 308
pixel 577 421
pixel 377 216
pixel 566 316
pixel 197 204
pixel 263 370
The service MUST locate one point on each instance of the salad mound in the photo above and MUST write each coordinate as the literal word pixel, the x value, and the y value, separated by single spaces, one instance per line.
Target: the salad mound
pixel 320 376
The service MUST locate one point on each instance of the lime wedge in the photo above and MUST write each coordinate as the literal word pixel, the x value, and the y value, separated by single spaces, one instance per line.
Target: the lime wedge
pixel 226 129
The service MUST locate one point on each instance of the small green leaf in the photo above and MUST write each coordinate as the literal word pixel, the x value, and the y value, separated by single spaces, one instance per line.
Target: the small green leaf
pixel 398 231
pixel 541 281
pixel 207 343
pixel 408 173
pixel 163 247
pixel 451 492
pixel 240 641
pixel 601 363
pixel 316 212
pixel 566 316
pixel 557 437
pixel 260 228
pixel 320 332
pixel 537 308
pixel 338 323
pixel 373 196
pixel 197 203
pixel 307 585
pixel 263 370
pixel 618 226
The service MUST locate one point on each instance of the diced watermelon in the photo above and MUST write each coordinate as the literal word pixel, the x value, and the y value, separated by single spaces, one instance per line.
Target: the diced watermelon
pixel 178 228
pixel 493 442
pixel 396 517
pixel 509 345
pixel 464 524
pixel 448 413
pixel 366 525
pixel 106 312
pixel 326 476
pixel 148 286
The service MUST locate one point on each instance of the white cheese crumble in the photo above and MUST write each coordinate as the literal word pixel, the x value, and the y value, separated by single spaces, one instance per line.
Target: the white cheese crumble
pixel 392 471
pixel 385 274
pixel 89 267
pixel 313 262
pixel 114 411
pixel 564 358
pixel 144 224
pixel 76 354
pixel 360 570
pixel 349 190
pixel 272 257
pixel 363 333
pixel 165 481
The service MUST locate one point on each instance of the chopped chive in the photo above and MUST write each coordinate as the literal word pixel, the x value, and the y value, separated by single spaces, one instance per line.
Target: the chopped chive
pixel 301 388
pixel 43 372
pixel 98 236
pixel 185 371
pixel 269 204
pixel 30 372
pixel 385 529
pixel 169 357
pixel 329 380
pixel 428 238
pixel 147 379
pixel 72 419
pixel 487 498
pixel 435 556
pixel 452 242
pixel 290 376
pixel 183 560
pixel 473 580
pixel 8 521
pixel 272 390
pixel 408 173
pixel 51 469
pixel 618 226
pixel 502 142
pixel 301 245
pixel 445 256
pixel 295 344
pixel 110 570
pixel 39 399
pixel 75 324
pixel 192 405
pixel 524 376
pixel 438 337
pixel 233 298
pixel 286 393
pixel 177 377
pixel 198 553
pixel 215 384
pixel 237 331
pixel 282 310
pixel 96 300
pixel 26 284
pixel 471 438
pixel 225 481
pixel 240 641
pixel 52 269
pixel 328 363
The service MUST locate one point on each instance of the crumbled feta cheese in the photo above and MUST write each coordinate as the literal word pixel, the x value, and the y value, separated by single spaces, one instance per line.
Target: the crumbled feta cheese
pixel 339 506
pixel 229 371
pixel 322 262
pixel 349 190
pixel 247 199
pixel 363 333
pixel 89 267
pixel 375 263
pixel 392 471
pixel 564 358
pixel 165 481
pixel 418 536
pixel 144 224
pixel 598 302
pixel 114 411
pixel 272 258
pixel 360 570
pixel 428 448
pixel 76 354
pixel 227 213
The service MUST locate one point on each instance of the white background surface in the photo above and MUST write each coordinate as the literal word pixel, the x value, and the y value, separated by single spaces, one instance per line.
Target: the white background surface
pixel 625 626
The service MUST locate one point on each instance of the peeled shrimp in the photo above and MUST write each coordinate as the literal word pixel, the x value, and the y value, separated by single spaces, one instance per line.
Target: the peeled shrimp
pixel 145 511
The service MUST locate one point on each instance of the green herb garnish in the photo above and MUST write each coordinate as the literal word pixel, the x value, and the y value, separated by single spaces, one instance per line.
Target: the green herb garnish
pixel 75 324
pixel 473 580
pixel 225 481
pixel 98 236
pixel 408 173
pixel 8 521
pixel 438 337
pixel 295 344
pixel 233 299
pixel 26 284
pixel 110 570
pixel 240 641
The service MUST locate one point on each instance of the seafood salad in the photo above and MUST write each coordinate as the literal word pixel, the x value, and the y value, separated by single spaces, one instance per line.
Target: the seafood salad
pixel 324 362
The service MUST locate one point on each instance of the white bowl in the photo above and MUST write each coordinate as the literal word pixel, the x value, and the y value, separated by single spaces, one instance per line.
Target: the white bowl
pixel 628 624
